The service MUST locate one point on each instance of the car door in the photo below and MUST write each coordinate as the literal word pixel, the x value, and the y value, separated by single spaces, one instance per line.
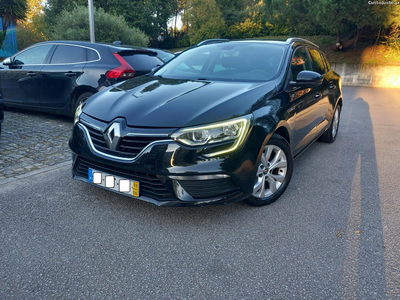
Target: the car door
pixel 59 77
pixel 303 103
pixel 333 81
pixel 20 81
pixel 322 101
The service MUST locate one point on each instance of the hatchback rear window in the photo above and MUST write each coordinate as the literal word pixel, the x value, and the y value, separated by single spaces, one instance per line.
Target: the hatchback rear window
pixel 142 62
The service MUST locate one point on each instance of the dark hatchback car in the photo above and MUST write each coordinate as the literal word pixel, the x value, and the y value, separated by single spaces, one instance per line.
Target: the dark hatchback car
pixel 1 111
pixel 57 76
pixel 219 123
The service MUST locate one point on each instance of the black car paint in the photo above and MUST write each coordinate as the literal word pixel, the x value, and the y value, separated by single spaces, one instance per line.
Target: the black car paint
pixel 276 107
pixel 55 87
pixel 1 111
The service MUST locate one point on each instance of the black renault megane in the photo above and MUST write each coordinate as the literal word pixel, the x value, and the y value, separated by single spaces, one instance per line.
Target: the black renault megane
pixel 219 123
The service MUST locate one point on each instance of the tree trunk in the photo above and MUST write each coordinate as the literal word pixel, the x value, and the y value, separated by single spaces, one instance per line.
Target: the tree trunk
pixel 350 40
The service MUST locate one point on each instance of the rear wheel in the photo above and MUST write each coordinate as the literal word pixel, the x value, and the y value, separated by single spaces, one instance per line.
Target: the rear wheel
pixel 82 98
pixel 329 136
pixel 273 172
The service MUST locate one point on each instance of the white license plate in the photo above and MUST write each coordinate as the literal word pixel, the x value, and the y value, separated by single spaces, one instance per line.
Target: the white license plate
pixel 114 183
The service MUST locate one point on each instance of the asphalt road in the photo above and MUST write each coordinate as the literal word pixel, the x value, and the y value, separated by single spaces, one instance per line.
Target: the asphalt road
pixel 334 234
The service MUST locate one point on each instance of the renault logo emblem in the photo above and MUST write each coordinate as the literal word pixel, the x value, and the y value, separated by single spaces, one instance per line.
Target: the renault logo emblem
pixel 113 135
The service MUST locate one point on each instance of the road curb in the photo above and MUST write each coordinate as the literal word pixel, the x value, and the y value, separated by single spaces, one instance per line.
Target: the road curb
pixel 36 172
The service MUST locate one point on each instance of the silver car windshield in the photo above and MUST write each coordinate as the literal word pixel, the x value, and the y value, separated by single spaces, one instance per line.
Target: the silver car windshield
pixel 227 61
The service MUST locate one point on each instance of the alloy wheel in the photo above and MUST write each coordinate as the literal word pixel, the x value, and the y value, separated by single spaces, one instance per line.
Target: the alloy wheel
pixel 271 172
pixel 335 124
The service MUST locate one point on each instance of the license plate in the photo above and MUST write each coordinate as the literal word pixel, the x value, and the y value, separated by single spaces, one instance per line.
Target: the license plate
pixel 115 183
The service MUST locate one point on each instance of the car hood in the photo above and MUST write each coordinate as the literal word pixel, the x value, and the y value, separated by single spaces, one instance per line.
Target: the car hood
pixel 161 102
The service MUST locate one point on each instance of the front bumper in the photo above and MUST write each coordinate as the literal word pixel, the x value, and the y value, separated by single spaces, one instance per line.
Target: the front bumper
pixel 169 173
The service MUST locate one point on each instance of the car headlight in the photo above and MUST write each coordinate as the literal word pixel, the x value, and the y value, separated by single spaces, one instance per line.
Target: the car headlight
pixel 78 112
pixel 234 131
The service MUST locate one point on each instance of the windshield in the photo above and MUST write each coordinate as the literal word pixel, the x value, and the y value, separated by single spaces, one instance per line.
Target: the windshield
pixel 227 61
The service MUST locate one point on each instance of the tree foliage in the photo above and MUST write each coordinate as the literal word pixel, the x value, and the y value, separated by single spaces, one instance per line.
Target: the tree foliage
pixel 151 17
pixel 73 25
pixel 204 20
pixel 10 12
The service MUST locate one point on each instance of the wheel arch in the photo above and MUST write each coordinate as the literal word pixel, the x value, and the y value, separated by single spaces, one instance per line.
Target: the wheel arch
pixel 79 91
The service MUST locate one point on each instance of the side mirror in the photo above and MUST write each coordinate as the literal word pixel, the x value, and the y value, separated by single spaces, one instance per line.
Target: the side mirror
pixel 8 61
pixel 307 79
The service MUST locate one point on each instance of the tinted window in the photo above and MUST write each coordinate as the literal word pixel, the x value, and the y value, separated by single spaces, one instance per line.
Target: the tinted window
pixel 65 54
pixel 165 56
pixel 33 56
pixel 317 62
pixel 227 61
pixel 91 55
pixel 328 65
pixel 142 62
pixel 300 62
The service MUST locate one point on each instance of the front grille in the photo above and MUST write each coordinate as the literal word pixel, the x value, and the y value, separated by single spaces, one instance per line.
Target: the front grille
pixel 150 184
pixel 202 189
pixel 129 147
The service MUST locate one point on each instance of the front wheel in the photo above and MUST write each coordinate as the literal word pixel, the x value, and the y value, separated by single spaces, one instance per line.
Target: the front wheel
pixel 273 172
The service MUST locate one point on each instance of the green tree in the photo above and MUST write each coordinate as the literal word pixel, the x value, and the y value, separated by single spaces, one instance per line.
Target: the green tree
pixel 32 33
pixel 233 11
pixel 74 25
pixel 284 17
pixel 151 17
pixel 204 19
pixel 31 30
pixel 53 9
pixel 10 12
pixel 348 19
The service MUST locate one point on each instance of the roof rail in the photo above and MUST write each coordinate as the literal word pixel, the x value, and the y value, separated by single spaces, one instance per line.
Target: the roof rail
pixel 212 41
pixel 296 39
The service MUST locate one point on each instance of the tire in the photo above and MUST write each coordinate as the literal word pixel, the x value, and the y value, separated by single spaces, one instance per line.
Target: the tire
pixel 82 98
pixel 330 135
pixel 273 172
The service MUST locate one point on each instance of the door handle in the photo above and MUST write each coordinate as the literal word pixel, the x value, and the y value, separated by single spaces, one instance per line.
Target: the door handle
pixel 318 95
pixel 70 74
pixel 31 74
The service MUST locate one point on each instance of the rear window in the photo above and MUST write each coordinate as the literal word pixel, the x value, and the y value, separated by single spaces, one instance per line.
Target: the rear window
pixel 66 54
pixel 328 65
pixel 165 56
pixel 142 62
pixel 92 55
pixel 317 62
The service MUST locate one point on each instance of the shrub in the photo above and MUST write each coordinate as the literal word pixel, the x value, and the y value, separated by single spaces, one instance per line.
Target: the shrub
pixel 74 25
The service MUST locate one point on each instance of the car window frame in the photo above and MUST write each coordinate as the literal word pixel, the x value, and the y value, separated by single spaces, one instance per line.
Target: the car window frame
pixel 74 63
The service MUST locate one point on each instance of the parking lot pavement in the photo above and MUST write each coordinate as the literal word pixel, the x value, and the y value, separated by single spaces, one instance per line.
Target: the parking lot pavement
pixel 31 141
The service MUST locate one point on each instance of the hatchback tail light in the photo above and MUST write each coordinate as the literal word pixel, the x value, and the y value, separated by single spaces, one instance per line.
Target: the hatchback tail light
pixel 123 71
